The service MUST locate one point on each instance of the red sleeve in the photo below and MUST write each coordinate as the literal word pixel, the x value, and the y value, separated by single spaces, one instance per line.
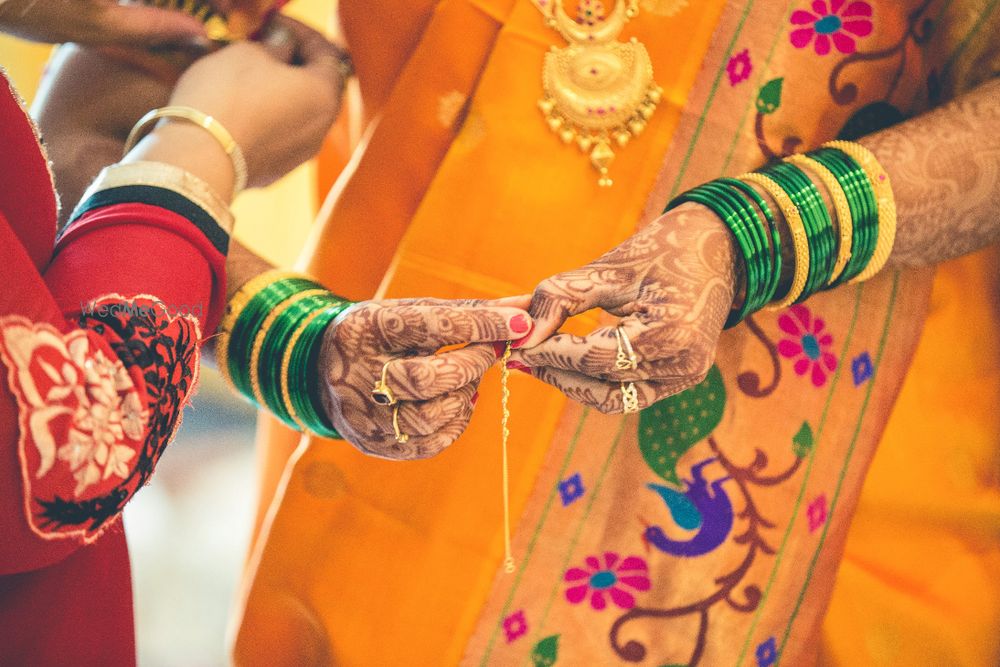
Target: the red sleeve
pixel 96 398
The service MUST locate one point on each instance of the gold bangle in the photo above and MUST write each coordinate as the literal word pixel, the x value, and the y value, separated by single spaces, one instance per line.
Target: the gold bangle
pixel 204 121
pixel 234 307
pixel 286 361
pixel 798 230
pixel 845 222
pixel 258 341
pixel 886 204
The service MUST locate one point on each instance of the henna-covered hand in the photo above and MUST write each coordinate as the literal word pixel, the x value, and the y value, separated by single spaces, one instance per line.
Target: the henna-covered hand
pixel 436 392
pixel 673 285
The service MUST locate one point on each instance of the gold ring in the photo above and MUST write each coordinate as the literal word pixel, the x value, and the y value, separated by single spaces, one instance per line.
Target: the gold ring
pixel 626 359
pixel 401 437
pixel 382 394
pixel 630 398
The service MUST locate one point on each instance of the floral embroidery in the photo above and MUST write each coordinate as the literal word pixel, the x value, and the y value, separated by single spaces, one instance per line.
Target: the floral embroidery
pixel 571 489
pixel 816 513
pixel 96 407
pixel 598 579
pixel 809 346
pixel 739 67
pixel 515 626
pixel 767 653
pixel 831 22
pixel 862 368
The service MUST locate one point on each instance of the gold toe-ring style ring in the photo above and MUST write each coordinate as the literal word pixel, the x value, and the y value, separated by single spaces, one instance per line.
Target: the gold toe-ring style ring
pixel 401 437
pixel 630 398
pixel 626 359
pixel 382 394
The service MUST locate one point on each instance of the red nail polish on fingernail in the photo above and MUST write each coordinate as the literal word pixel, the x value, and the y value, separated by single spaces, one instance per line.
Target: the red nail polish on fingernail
pixel 499 348
pixel 519 324
pixel 475 397
pixel 518 366
pixel 521 341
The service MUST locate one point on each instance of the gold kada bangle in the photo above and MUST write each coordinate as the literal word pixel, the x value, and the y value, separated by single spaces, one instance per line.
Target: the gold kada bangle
pixel 845 222
pixel 204 121
pixel 886 204
pixel 794 220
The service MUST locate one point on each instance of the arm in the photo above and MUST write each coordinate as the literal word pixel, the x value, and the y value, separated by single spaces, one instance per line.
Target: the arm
pixel 100 370
pixel 674 282
pixel 945 169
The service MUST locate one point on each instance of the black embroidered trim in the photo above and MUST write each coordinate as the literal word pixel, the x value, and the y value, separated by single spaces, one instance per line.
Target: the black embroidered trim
pixel 167 352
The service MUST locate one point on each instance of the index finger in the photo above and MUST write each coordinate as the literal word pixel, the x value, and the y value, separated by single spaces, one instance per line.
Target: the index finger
pixel 408 327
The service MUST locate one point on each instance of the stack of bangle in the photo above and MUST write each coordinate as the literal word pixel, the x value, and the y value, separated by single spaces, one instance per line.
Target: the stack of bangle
pixel 829 248
pixel 269 343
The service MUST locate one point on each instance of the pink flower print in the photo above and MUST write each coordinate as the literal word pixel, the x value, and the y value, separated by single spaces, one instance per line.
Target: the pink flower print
pixel 816 513
pixel 739 67
pixel 608 579
pixel 515 626
pixel 831 21
pixel 808 345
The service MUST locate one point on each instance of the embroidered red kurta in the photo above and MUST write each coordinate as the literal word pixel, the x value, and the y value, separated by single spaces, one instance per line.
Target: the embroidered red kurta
pixel 99 338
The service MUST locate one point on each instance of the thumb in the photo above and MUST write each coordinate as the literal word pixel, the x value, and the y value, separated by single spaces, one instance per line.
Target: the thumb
pixel 149 26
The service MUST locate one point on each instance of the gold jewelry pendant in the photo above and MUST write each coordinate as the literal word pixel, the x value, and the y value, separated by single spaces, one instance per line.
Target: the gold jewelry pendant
pixel 599 92
pixel 216 26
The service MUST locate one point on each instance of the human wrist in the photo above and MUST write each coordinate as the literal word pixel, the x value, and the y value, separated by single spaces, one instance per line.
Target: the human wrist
pixel 191 148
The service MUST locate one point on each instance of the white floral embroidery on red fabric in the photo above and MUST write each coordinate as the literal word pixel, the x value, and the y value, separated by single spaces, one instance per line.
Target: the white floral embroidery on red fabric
pixel 81 414
pixel 97 407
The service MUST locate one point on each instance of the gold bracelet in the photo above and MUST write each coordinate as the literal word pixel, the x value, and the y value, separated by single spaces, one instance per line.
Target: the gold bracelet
pixel 286 360
pixel 258 341
pixel 886 204
pixel 235 306
pixel 204 121
pixel 845 222
pixel 798 230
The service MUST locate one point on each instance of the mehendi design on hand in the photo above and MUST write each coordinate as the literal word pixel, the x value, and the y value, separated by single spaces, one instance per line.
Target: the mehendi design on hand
pixel 673 284
pixel 436 391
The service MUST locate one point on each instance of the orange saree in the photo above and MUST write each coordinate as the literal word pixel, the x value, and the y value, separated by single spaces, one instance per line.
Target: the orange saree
pixel 706 530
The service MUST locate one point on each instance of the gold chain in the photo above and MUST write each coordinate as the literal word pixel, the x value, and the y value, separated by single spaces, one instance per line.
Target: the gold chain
pixel 508 561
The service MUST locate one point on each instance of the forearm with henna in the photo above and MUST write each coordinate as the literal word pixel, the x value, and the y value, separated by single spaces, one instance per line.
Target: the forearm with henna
pixel 945 171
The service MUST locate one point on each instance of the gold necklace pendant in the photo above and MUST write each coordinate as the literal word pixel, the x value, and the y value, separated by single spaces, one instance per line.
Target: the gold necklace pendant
pixel 599 91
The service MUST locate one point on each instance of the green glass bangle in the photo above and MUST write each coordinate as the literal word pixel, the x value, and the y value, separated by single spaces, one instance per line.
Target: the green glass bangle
pixel 303 380
pixel 819 226
pixel 249 322
pixel 273 346
pixel 863 205
pixel 772 230
pixel 754 229
pixel 732 219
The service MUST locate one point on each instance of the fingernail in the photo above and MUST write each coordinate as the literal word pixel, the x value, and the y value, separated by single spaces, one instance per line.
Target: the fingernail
pixel 521 341
pixel 520 324
pixel 475 398
pixel 499 348
pixel 518 366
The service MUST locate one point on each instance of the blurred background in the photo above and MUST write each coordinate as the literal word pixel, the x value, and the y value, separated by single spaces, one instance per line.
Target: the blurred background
pixel 189 529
